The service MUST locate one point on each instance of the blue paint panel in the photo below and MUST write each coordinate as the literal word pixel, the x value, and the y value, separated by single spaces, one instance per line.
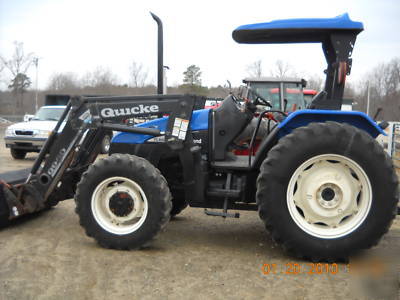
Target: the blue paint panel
pixel 134 138
pixel 199 122
pixel 340 22
pixel 200 119
pixel 304 117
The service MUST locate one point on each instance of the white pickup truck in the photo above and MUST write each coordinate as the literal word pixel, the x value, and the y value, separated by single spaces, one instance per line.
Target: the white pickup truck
pixel 30 136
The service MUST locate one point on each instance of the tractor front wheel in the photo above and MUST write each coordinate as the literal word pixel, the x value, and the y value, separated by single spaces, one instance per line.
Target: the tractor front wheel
pixel 123 201
pixel 326 191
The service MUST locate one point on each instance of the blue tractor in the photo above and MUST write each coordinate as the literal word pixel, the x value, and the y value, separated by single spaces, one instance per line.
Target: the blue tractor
pixel 322 185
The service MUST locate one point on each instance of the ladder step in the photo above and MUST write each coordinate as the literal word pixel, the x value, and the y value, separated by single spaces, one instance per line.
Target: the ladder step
pixel 223 193
pixel 221 214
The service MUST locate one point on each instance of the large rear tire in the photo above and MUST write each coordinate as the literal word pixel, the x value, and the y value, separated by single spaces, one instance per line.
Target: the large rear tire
pixel 123 201
pixel 326 191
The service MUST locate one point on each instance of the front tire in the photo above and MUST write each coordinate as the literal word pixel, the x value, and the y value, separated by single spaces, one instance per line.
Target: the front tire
pixel 326 191
pixel 123 201
pixel 18 153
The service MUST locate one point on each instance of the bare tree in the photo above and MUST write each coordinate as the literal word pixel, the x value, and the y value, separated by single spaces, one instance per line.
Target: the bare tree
pixel 315 82
pixel 19 62
pixel 382 86
pixel 2 67
pixel 18 66
pixel 101 77
pixel 255 69
pixel 282 69
pixel 63 82
pixel 137 74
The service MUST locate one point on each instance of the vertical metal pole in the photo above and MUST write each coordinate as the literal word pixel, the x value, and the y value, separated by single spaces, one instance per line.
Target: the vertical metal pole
pixel 36 62
pixel 391 139
pixel 166 68
pixel 281 96
pixel 160 63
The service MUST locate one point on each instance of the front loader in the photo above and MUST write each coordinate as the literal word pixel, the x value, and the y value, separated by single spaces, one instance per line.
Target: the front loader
pixel 322 185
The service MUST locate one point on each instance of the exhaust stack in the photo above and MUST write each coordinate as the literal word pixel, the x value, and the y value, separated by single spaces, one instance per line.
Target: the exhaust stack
pixel 160 62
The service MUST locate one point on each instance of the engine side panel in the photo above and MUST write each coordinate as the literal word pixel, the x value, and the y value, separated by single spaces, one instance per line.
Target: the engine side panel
pixel 199 122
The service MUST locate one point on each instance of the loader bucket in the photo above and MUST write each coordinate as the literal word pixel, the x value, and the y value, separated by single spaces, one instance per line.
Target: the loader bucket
pixel 15 177
pixel 10 207
pixel 6 197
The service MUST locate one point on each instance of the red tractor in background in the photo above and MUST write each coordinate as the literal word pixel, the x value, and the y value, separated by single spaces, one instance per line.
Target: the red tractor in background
pixel 284 94
pixel 309 95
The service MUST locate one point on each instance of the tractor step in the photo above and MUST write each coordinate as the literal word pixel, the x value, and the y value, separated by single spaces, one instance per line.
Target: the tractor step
pixel 227 193
pixel 221 214
pixel 215 192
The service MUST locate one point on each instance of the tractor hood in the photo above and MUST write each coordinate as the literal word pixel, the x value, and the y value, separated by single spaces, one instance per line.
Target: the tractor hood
pixel 315 30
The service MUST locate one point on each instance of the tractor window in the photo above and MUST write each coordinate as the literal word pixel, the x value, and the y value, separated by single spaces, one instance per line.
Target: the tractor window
pixel 308 98
pixel 269 91
pixel 293 93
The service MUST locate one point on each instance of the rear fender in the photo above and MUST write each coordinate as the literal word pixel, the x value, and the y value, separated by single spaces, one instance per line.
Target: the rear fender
pixel 304 117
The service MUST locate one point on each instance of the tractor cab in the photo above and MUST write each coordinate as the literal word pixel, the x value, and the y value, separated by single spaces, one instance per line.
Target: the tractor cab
pixel 284 94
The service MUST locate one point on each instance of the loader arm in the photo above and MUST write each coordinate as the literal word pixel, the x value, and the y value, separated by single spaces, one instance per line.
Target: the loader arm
pixel 67 154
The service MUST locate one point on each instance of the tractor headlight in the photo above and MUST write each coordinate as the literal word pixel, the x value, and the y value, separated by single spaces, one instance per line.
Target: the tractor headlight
pixel 9 132
pixel 43 133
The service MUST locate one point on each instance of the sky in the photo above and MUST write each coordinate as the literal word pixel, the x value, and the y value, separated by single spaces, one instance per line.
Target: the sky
pixel 80 35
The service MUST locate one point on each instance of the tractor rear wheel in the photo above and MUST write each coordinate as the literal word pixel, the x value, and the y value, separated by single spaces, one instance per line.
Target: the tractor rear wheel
pixel 326 191
pixel 123 201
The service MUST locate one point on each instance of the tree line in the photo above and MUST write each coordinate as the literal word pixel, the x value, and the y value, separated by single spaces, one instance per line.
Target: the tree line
pixel 381 85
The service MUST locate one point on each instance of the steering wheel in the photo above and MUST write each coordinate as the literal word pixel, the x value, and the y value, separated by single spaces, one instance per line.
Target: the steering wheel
pixel 236 101
pixel 259 99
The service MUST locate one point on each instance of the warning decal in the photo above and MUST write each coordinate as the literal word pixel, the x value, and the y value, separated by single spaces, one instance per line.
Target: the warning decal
pixel 180 128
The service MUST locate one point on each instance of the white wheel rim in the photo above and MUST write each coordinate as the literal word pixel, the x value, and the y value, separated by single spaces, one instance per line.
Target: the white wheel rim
pixel 329 196
pixel 114 194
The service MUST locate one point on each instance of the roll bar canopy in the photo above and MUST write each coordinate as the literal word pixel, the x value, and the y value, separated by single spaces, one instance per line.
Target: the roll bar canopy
pixel 337 36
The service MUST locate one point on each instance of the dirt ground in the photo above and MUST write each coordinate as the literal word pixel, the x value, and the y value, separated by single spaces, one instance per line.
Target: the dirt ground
pixel 48 256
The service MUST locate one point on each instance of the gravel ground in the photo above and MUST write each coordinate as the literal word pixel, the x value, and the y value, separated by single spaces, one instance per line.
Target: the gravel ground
pixel 48 256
